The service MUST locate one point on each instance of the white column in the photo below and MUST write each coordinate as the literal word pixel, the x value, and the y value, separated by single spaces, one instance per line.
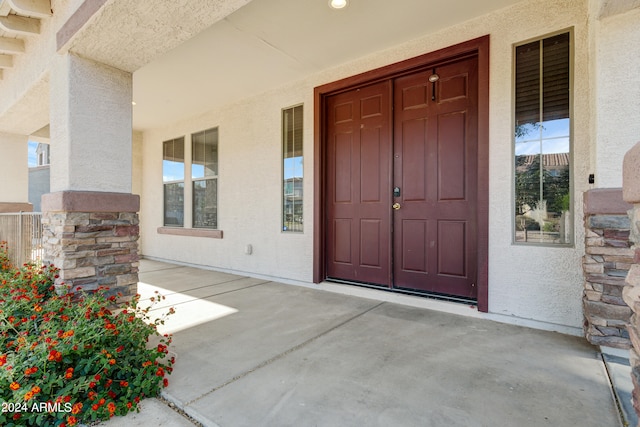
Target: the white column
pixel 14 173
pixel 90 126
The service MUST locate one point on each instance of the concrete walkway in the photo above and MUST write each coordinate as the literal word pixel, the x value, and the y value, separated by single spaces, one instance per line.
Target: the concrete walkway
pixel 256 353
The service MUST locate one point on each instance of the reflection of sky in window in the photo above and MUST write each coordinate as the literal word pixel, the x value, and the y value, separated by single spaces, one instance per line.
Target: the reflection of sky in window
pixel 550 137
pixel 172 171
pixel 197 171
pixel 293 167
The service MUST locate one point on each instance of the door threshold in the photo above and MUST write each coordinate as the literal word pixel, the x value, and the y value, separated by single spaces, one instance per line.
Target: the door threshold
pixel 423 294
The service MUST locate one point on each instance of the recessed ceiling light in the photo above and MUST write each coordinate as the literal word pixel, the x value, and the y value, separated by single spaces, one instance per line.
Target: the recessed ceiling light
pixel 133 102
pixel 338 4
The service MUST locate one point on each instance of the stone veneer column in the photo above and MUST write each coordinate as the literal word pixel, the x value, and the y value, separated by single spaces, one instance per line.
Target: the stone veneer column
pixel 631 293
pixel 607 260
pixel 93 238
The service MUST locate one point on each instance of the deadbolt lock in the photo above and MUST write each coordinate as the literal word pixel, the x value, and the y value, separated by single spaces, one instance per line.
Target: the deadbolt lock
pixel 396 206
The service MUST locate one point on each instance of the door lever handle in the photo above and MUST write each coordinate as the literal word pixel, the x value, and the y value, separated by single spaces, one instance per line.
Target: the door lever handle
pixel 396 206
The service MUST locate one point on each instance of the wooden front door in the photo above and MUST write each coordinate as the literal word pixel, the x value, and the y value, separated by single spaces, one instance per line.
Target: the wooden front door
pixel 358 192
pixel 401 194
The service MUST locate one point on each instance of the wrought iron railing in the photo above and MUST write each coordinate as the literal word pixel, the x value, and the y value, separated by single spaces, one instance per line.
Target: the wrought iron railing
pixel 23 233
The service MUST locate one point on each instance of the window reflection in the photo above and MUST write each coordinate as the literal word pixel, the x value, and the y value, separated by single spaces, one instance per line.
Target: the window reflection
pixel 204 173
pixel 542 142
pixel 173 179
pixel 293 173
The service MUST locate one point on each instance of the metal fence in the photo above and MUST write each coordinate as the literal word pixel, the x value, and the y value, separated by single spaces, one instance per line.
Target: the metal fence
pixel 23 232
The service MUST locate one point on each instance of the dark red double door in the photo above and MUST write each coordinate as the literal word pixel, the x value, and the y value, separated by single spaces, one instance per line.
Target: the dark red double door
pixel 401 194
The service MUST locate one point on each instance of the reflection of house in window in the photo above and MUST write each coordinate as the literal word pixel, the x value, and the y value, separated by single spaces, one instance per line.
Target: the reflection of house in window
pixel 293 200
pixel 554 164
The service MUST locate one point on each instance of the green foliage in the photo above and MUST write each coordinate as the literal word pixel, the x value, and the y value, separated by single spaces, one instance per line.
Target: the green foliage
pixel 555 188
pixel 73 358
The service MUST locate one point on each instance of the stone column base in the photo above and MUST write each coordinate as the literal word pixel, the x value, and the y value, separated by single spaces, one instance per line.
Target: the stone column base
pixel 93 238
pixel 607 260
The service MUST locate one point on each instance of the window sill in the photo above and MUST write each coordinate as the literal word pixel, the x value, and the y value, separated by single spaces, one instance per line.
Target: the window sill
pixel 191 232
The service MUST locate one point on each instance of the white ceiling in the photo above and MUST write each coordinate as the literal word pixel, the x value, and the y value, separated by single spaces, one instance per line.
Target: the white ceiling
pixel 270 42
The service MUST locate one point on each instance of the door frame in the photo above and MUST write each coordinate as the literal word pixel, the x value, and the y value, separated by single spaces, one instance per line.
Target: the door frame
pixel 480 47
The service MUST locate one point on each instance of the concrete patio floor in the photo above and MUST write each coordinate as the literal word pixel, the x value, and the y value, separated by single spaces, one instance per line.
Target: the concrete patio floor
pixel 252 352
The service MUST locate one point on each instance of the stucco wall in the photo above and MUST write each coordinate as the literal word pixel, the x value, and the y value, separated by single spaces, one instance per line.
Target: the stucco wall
pixel 617 90
pixel 14 169
pixel 538 283
pixel 28 80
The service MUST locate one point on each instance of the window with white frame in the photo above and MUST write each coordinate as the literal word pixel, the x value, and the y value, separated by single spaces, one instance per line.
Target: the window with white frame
pixel 173 180
pixel 204 176
pixel 542 141
pixel 292 169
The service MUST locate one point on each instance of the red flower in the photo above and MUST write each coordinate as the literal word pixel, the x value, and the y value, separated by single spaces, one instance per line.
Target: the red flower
pixel 55 356
pixel 95 406
pixel 165 382
pixel 3 359
pixel 112 407
pixel 111 394
pixel 124 384
pixel 30 371
pixel 69 374
pixel 92 384
pixel 76 408
pixel 160 372
pixel 119 349
pixel 72 420
pixel 97 377
pixel 14 386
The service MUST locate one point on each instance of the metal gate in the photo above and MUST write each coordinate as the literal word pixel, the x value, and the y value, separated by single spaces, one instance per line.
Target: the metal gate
pixel 23 233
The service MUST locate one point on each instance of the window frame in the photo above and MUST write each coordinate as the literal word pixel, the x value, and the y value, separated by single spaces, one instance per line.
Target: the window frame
pixel 571 221
pixel 187 229
pixel 283 143
pixel 205 178
pixel 173 182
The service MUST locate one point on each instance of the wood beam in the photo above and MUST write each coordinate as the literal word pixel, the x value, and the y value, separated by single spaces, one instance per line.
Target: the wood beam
pixel 8 45
pixel 6 61
pixel 20 25
pixel 34 8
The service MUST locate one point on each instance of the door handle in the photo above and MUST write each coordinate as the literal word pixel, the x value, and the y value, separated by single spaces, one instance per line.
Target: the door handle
pixel 396 206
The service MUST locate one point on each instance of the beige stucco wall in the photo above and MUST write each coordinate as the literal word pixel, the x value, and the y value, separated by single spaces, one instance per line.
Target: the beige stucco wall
pixel 14 169
pixel 28 80
pixel 540 284
pixel 617 92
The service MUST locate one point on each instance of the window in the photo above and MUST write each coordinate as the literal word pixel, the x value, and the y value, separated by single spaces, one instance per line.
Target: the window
pixel 292 169
pixel 173 179
pixel 543 141
pixel 204 175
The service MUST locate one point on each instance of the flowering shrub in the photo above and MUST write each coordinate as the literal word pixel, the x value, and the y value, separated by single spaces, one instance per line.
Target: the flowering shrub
pixel 72 358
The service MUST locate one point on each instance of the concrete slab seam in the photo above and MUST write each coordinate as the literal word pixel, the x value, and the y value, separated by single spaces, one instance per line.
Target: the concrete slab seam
pixel 214 294
pixel 614 395
pixel 280 355
pixel 191 412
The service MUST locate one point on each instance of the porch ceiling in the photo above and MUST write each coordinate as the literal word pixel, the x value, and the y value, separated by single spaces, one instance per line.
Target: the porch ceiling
pixel 270 42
